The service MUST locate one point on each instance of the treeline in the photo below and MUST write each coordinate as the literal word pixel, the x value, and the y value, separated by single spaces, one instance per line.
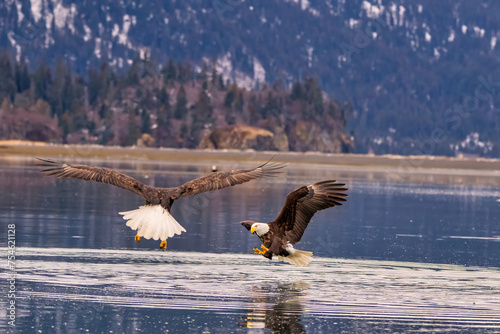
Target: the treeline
pixel 174 105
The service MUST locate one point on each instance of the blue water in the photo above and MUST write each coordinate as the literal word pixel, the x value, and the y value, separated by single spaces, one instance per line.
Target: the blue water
pixel 397 257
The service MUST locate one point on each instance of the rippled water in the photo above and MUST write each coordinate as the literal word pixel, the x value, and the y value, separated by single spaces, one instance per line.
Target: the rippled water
pixel 76 290
pixel 78 268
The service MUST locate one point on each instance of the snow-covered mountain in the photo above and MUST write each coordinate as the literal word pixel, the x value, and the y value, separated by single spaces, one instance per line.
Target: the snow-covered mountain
pixel 405 65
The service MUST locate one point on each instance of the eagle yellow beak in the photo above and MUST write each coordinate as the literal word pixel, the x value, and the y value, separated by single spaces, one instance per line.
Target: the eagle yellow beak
pixel 253 229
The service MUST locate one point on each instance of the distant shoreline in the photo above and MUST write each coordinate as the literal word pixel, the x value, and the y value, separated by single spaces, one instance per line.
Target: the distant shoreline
pixel 403 163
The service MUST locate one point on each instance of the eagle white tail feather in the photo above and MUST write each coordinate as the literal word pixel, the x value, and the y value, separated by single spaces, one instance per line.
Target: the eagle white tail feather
pixel 152 222
pixel 298 258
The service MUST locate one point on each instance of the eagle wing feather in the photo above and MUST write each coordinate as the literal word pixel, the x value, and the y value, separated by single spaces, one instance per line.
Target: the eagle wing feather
pixel 92 173
pixel 224 179
pixel 302 203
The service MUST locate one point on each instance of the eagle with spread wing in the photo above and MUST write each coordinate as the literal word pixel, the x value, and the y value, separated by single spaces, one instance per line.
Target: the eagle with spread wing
pixel 153 220
pixel 300 206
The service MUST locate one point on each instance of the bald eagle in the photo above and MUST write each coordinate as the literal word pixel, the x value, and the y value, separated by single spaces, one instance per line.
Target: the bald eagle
pixel 300 206
pixel 153 220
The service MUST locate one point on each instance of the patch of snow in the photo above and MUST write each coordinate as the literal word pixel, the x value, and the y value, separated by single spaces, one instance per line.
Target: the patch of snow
pixel 402 11
pixel 12 40
pixel 123 36
pixel 36 9
pixel 393 9
pixel 71 18
pixel 304 4
pixel 49 19
pixel 493 42
pixel 109 49
pixel 88 33
pixel 479 32
pixel 224 66
pixel 353 23
pixel 372 11
pixel 464 29
pixel 420 8
pixel 310 51
pixel 60 15
pixel 451 37
pixel 428 37
pixel 20 15
pixel 18 53
pixel 97 49
pixel 341 59
pixel 314 12
pixel 259 73
pixel 436 53
pixel 243 80
pixel 115 31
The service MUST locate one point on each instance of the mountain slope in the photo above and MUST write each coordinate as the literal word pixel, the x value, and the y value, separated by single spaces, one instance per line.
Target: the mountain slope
pixel 407 66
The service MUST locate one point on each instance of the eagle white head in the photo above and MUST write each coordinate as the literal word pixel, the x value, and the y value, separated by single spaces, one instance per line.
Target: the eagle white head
pixel 259 228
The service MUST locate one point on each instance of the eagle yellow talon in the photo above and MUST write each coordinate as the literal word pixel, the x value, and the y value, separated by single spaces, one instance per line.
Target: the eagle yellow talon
pixel 163 245
pixel 257 251
pixel 260 252
pixel 137 238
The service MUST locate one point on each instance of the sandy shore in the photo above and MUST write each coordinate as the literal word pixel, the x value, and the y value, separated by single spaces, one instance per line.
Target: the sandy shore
pixel 478 171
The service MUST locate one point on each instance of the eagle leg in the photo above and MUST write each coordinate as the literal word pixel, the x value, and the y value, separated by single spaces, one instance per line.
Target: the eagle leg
pixel 137 238
pixel 163 245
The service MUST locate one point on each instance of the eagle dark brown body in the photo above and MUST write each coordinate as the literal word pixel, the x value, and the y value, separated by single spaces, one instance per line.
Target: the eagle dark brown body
pixel 300 206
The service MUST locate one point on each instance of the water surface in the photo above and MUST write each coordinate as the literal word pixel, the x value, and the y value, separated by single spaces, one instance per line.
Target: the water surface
pixel 397 257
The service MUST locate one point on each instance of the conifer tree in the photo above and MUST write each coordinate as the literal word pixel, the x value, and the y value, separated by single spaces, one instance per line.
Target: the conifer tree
pixel 146 122
pixel 7 81
pixel 297 91
pixel 163 116
pixel 202 117
pixel 169 72
pixel 180 111
pixel 22 76
pixel 133 75
pixel 133 128
pixel 55 90
pixel 42 80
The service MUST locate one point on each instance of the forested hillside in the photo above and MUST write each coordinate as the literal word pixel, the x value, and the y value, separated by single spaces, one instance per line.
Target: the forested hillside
pixel 167 106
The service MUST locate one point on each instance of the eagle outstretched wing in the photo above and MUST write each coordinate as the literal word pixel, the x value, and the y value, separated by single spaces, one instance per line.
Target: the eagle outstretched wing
pixel 92 173
pixel 223 179
pixel 301 205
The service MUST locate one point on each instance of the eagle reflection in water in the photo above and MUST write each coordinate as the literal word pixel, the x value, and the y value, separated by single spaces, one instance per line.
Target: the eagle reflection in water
pixel 284 314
